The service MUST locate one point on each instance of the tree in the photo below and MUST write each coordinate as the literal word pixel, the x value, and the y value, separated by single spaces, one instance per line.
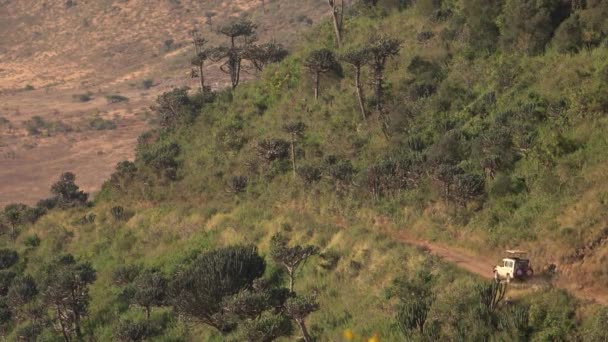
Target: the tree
pixel 290 258
pixel 528 25
pixel 201 54
pixel 480 16
pixel 380 50
pixel 23 290
pixel 13 214
pixel 234 54
pixel 337 14
pixel 174 107
pixel 569 35
pixel 64 286
pixel 298 308
pixel 132 331
pixel 150 290
pixel 200 290
pixel 273 149
pixel 295 130
pixel 264 54
pixel 320 62
pixel 357 58
pixel 67 193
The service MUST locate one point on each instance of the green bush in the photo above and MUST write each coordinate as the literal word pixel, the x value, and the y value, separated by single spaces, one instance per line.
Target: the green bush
pixel 100 124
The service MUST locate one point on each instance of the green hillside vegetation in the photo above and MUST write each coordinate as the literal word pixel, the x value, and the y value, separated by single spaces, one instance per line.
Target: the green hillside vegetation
pixel 267 211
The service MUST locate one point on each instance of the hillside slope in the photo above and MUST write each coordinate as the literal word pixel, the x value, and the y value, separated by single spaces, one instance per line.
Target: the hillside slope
pixel 486 133
pixel 59 60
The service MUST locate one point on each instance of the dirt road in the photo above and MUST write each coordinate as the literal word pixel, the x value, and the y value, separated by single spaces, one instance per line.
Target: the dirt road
pixel 482 266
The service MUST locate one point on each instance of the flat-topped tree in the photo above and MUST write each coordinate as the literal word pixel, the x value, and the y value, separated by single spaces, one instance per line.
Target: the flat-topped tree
pixel 264 54
pixel 380 50
pixel 290 258
pixel 298 308
pixel 320 62
pixel 201 54
pixel 240 28
pixel 358 58
pixel 296 130
pixel 234 54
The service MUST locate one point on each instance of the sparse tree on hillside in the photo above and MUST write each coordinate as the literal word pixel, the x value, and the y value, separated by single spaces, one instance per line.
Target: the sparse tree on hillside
pixel 264 54
pixel 201 54
pixel 201 289
pixel 290 258
pixel 150 290
pixel 234 53
pixel 380 50
pixel 337 13
pixel 64 287
pixel 412 315
pixel 67 193
pixel 298 308
pixel 319 62
pixel 358 58
pixel 295 130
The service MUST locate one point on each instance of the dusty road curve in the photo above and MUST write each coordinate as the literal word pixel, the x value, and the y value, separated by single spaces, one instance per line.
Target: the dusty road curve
pixel 482 266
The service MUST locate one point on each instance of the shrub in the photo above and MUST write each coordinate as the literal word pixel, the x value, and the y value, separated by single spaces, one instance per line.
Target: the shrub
pixel 82 97
pixel 273 149
pixel 118 213
pixel 100 124
pixel 125 274
pixel 129 331
pixel 147 83
pixel 8 258
pixel 309 174
pixel 29 87
pixel 115 98
pixel 32 241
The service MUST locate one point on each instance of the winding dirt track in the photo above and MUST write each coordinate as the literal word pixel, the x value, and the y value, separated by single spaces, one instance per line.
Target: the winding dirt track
pixel 482 266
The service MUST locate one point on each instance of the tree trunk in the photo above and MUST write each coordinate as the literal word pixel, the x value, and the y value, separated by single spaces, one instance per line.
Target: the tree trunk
pixel 360 92
pixel 148 309
pixel 305 333
pixel 201 77
pixel 316 85
pixel 291 276
pixel 378 88
pixel 337 16
pixel 293 154
pixel 66 337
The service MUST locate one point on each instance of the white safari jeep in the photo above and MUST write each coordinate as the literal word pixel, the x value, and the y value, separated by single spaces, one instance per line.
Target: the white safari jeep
pixel 514 266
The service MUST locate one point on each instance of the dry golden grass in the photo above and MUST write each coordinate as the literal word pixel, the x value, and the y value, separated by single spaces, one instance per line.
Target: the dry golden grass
pixel 103 47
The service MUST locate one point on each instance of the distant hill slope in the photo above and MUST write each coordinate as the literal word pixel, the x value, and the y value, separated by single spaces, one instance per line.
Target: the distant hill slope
pixel 92 41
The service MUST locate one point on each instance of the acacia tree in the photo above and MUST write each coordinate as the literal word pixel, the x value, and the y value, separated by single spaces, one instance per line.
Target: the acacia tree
pixel 64 286
pixel 380 50
pixel 234 53
pixel 319 62
pixel 337 14
pixel 201 54
pixel 290 258
pixel 357 58
pixel 295 130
